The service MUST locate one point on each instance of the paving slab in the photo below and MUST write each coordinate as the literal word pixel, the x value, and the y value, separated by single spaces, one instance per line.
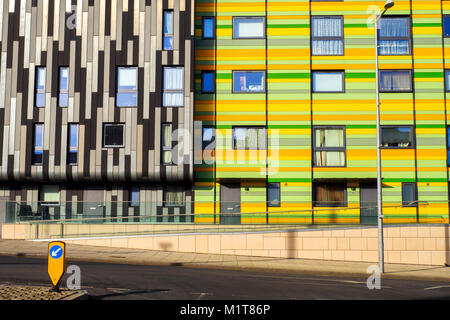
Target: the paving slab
pixel 75 252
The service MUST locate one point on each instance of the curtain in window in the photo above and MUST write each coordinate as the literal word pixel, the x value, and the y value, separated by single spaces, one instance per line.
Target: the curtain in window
pixel 329 137
pixel 250 138
pixel 327 47
pixel 330 159
pixel 395 81
pixel 393 47
pixel 328 28
pixel 173 197
pixel 173 81
pixel 167 143
pixel 240 138
pixel 393 28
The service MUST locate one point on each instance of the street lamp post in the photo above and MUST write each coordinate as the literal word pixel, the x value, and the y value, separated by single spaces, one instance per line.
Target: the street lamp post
pixel 387 5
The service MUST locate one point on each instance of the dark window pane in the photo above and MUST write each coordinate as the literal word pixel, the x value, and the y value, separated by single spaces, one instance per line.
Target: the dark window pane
pixel 72 157
pixel 409 194
pixel 37 157
pixel 134 197
pixel 447 80
pixel 273 195
pixel 446 26
pixel 396 137
pixel 113 135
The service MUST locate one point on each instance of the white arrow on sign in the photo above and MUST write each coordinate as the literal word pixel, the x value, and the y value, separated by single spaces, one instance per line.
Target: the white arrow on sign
pixel 54 253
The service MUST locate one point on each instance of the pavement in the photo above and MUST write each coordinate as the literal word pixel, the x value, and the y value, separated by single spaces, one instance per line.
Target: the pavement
pixel 86 253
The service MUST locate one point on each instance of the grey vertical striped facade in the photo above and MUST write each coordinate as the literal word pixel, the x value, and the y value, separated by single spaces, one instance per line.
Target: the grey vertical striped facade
pixel 107 34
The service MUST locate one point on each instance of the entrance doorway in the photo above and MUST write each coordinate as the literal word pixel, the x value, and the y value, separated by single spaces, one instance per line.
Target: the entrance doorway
pixel 368 203
pixel 230 203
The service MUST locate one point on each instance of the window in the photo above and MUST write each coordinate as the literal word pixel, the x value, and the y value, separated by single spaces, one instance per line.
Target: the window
pixel 208 28
pixel 249 27
pixel 251 138
pixel 397 137
pixel 113 135
pixel 395 81
pixel 168 30
pixel 63 98
pixel 208 137
pixel 329 147
pixel 330 195
pixel 208 81
pixel 49 194
pixel 327 36
pixel 72 152
pixel 328 81
pixel 166 143
pixel 446 25
pixel 249 81
pixel 273 195
pixel 173 95
pixel 394 36
pixel 126 95
pixel 173 196
pixel 447 80
pixel 40 87
pixel 38 147
pixel 134 197
pixel 409 194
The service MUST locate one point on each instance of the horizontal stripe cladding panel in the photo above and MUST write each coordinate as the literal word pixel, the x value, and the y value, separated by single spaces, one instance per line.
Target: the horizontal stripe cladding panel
pixel 289 109
pixel 93 40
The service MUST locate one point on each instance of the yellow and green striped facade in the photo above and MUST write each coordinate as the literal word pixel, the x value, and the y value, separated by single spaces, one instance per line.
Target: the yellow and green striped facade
pixel 289 110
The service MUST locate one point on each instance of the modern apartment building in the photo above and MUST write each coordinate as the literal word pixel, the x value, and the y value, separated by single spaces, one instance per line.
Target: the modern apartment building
pixel 235 111
pixel 286 93
pixel 94 97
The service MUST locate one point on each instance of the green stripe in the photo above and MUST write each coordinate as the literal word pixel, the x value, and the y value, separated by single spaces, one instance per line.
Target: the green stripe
pixel 428 74
pixel 288 75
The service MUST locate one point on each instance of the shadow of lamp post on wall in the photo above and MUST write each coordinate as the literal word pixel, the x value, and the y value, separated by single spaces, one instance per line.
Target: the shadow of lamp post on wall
pixel 389 4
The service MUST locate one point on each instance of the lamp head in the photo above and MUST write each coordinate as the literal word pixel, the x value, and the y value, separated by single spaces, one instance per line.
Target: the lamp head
pixel 388 4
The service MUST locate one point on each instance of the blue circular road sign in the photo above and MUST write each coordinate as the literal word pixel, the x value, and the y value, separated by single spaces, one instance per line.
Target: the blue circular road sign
pixel 56 252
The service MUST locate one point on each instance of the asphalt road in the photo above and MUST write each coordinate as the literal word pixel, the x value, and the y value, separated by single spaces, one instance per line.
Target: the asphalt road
pixel 131 282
